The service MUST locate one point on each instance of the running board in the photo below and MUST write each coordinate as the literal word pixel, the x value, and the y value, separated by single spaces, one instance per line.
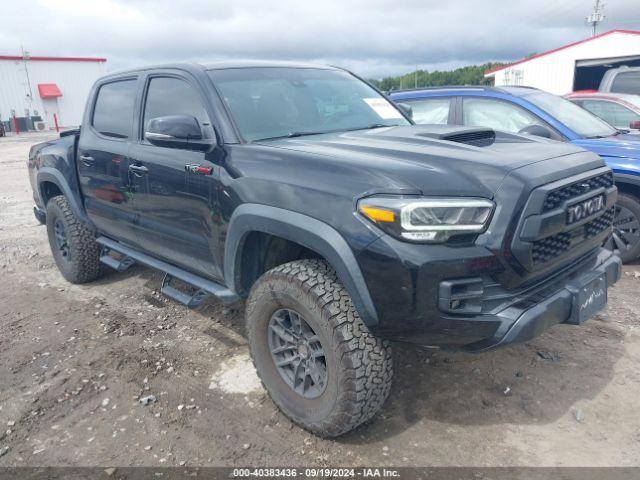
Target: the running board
pixel 119 264
pixel 204 287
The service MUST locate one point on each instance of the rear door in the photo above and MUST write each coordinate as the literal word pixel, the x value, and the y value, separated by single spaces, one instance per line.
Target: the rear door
pixel 103 159
pixel 177 205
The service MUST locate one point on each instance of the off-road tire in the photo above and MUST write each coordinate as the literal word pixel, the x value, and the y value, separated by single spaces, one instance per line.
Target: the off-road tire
pixel 358 364
pixel 632 204
pixel 84 260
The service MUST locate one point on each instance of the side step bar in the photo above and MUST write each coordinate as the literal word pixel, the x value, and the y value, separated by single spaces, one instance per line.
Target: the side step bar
pixel 204 287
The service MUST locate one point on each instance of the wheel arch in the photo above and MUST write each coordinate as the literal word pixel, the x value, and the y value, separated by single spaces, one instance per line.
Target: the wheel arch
pixel 51 182
pixel 629 184
pixel 309 233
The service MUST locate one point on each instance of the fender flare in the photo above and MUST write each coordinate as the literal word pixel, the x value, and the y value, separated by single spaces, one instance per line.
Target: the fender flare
pixel 48 174
pixel 306 231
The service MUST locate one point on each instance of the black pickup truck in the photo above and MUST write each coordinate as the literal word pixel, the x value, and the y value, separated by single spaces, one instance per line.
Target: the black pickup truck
pixel 303 190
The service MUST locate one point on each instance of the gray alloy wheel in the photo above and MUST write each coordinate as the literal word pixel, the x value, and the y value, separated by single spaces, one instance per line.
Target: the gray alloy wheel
pixel 297 352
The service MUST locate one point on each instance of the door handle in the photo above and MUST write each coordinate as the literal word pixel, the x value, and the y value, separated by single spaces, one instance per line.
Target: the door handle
pixel 138 170
pixel 87 160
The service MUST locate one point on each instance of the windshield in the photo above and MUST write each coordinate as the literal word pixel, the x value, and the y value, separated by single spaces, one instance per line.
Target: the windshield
pixel 574 117
pixel 286 102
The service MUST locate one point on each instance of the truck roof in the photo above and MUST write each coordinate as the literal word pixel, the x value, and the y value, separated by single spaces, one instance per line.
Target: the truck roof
pixel 224 65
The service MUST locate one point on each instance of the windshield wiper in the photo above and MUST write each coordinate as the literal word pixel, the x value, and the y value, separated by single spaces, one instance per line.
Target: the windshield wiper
pixel 291 135
pixel 304 134
pixel 372 126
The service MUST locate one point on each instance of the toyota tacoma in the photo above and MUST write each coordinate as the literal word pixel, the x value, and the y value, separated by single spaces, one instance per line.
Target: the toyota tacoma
pixel 305 191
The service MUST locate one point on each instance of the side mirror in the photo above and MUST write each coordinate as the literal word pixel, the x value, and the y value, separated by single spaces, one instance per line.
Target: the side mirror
pixel 634 125
pixel 406 109
pixel 177 131
pixel 538 131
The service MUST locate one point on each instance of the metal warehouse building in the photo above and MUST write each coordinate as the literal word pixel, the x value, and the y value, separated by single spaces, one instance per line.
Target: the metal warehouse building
pixel 577 66
pixel 35 88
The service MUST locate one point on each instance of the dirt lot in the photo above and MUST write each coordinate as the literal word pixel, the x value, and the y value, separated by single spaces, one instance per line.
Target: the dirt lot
pixel 75 361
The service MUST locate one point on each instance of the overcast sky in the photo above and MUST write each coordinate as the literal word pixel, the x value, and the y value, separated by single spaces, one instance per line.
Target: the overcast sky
pixel 372 37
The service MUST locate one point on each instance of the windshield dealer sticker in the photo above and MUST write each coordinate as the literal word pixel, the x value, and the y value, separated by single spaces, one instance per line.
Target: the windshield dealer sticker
pixel 382 108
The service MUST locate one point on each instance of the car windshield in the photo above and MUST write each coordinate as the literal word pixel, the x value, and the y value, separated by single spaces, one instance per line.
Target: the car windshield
pixel 269 103
pixel 574 117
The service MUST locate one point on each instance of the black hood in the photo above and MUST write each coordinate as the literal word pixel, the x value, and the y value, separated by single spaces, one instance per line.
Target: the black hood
pixel 419 156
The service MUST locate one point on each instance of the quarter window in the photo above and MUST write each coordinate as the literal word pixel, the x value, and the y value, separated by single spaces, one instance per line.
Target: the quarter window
pixel 113 112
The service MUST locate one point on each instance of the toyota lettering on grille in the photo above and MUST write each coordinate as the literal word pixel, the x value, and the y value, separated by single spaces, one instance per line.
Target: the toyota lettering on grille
pixel 584 209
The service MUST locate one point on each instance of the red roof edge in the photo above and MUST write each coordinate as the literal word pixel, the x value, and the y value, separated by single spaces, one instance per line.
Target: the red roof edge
pixel 538 55
pixel 54 59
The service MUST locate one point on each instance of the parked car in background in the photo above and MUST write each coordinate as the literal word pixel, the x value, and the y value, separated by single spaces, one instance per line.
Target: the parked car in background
pixel 620 110
pixel 532 111
pixel 621 80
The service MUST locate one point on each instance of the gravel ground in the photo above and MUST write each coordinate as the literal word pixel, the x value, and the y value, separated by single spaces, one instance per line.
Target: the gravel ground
pixel 112 373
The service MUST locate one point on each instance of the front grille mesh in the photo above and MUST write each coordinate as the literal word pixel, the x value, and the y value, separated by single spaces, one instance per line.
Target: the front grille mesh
pixel 556 197
pixel 551 247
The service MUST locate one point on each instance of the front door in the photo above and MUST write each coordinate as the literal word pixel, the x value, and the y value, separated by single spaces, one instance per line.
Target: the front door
pixel 176 203
pixel 103 160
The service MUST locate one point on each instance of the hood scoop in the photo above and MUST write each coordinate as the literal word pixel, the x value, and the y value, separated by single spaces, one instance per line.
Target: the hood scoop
pixel 478 137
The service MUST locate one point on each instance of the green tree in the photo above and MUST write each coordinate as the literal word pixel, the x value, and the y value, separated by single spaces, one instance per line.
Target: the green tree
pixel 469 75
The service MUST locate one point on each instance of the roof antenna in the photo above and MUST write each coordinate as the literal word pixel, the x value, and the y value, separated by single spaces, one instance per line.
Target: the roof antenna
pixel 596 16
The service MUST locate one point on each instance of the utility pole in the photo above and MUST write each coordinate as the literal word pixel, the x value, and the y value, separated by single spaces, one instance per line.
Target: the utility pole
pixel 596 17
pixel 25 56
pixel 415 79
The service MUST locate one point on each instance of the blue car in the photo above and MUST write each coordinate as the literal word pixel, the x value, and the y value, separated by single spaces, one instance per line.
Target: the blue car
pixel 532 111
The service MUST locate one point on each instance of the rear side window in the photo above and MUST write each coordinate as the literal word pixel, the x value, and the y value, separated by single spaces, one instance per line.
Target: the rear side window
pixel 627 82
pixel 113 112
pixel 430 110
pixel 612 113
pixel 172 96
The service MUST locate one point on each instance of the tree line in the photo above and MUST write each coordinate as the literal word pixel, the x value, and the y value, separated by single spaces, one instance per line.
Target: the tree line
pixel 469 75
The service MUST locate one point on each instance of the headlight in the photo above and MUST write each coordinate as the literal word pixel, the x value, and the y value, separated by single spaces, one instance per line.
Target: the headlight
pixel 432 220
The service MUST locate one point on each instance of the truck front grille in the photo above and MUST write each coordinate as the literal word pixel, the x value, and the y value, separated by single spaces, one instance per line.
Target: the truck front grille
pixel 559 195
pixel 548 248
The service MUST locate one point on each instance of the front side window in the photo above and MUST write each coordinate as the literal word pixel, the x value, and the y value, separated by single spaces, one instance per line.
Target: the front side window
pixel 613 113
pixel 430 110
pixel 575 118
pixel 627 82
pixel 113 111
pixel 496 114
pixel 172 96
pixel 279 102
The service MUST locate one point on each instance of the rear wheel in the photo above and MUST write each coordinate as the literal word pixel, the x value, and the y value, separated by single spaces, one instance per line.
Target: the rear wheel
pixel 73 244
pixel 315 357
pixel 626 228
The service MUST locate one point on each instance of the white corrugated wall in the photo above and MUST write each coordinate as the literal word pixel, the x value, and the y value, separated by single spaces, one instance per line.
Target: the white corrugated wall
pixel 73 78
pixel 554 72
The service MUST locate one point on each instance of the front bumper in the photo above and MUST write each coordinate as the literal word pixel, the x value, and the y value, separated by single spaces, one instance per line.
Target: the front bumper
pixel 508 316
pixel 526 320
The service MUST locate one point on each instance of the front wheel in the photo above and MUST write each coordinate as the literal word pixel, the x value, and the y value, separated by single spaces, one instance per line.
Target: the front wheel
pixel 315 357
pixel 626 228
